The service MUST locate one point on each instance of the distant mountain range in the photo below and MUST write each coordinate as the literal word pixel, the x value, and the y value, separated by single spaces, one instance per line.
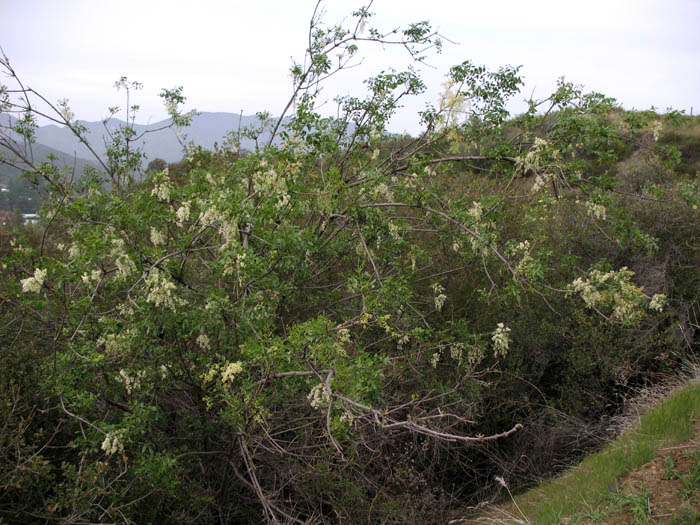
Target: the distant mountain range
pixel 205 130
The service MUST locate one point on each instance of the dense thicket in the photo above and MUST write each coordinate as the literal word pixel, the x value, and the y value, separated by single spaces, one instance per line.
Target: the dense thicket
pixel 350 327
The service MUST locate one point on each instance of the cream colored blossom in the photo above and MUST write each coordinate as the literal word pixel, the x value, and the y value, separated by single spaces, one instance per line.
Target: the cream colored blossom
pixel 125 309
pixel 92 277
pixel 125 265
pixel 34 283
pixel 163 191
pixel 440 297
pixel 343 336
pixel 476 211
pixel 541 180
pixel 203 341
pixel 501 339
pixel 230 371
pixel 457 352
pixel 157 237
pixel 657 302
pixel 454 105
pixel 319 397
pixel 597 211
pixel 113 443
pixel 615 291
pixel 161 290
pixel 117 344
pixel 131 382
pixel 183 214
pixel 382 191
pixel 394 231
pixel 347 418
pixel 525 265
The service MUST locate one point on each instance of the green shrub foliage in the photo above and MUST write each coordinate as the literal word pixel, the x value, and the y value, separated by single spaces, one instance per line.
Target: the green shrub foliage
pixel 345 325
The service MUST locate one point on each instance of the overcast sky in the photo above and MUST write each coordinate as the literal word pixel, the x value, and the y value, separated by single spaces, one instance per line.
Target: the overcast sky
pixel 235 55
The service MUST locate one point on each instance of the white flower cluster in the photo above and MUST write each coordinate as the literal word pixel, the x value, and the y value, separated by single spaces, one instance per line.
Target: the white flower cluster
pixel 481 227
pixel 157 237
pixel 113 443
pixel 457 352
pixel 382 192
pixel 125 310
pixel 92 277
pixel 117 344
pixel 65 111
pixel 230 370
pixel 125 266
pixel 475 355
pixel 439 297
pixel 501 339
pixel 476 211
pixel 210 216
pixel 541 180
pixel 160 290
pixel 657 302
pixel 533 160
pixel 589 293
pixel 227 372
pixel 347 418
pixel 34 283
pixel 274 184
pixel 343 336
pixel 319 397
pixel 394 231
pixel 203 341
pixel 616 291
pixel 182 214
pixel 454 105
pixel 223 222
pixel 596 210
pixel 656 128
pixel 522 250
pixel 131 382
pixel 163 191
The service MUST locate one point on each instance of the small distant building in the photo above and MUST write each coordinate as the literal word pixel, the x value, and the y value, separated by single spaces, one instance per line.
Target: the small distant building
pixel 30 218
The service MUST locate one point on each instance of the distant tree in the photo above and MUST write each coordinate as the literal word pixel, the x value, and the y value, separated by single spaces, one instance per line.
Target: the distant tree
pixel 156 165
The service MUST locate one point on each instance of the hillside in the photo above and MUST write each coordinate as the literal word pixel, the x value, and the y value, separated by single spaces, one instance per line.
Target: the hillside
pixel 40 153
pixel 205 130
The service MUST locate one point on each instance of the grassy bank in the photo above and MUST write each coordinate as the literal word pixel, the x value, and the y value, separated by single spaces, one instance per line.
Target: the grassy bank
pixel 591 484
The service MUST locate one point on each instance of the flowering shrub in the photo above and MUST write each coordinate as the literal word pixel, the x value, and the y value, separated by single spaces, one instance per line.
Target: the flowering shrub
pixel 309 328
